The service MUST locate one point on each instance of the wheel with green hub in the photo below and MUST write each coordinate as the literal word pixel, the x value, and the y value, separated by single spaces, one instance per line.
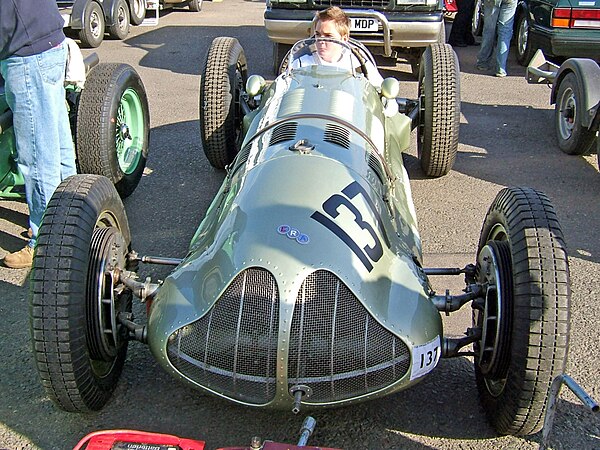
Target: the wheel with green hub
pixel 77 298
pixel 524 316
pixel 113 126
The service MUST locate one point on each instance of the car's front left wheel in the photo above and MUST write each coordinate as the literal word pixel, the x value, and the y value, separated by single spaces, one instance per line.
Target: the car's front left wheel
pixel 78 342
pixel 524 317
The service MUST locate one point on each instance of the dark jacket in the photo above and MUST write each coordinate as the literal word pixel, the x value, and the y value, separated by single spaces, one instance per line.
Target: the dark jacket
pixel 29 27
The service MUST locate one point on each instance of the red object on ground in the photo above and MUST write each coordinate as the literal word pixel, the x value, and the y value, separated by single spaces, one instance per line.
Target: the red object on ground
pixel 450 6
pixel 135 440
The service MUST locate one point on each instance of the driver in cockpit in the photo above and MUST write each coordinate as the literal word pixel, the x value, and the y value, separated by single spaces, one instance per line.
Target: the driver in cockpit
pixel 333 23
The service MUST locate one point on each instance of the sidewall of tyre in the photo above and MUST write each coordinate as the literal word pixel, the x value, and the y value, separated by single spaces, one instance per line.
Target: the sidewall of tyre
pixel 195 5
pixel 439 121
pixel 137 17
pixel 581 138
pixel 59 283
pixel 540 305
pixel 220 118
pixel 86 36
pixel 122 21
pixel 97 121
pixel 525 55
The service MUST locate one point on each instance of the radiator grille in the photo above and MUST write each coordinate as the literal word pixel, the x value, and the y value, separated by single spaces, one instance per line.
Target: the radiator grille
pixel 232 349
pixel 375 4
pixel 336 347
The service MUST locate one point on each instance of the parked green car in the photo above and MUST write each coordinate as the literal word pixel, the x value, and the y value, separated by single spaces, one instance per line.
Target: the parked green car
pixel 110 123
pixel 304 285
pixel 560 28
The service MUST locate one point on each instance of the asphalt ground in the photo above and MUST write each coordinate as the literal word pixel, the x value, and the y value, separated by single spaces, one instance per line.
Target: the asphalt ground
pixel 506 139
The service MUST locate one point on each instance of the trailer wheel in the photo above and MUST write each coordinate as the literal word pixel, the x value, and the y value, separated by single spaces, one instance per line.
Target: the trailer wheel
pixel 195 5
pixel 573 138
pixel 79 346
pixel 524 49
pixel 92 33
pixel 120 29
pixel 113 126
pixel 221 86
pixel 137 11
pixel 439 118
pixel 524 320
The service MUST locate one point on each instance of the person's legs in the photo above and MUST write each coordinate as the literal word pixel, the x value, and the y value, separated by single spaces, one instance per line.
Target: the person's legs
pixel 35 94
pixel 506 18
pixel 462 20
pixel 491 11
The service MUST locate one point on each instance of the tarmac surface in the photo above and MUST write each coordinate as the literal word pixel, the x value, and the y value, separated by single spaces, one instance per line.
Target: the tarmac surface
pixel 506 139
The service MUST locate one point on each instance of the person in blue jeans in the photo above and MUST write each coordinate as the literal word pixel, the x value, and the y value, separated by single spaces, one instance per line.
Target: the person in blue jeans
pixel 499 17
pixel 33 56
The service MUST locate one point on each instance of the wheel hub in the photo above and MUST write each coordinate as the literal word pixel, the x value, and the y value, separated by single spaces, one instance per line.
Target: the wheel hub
pixel 495 317
pixel 105 298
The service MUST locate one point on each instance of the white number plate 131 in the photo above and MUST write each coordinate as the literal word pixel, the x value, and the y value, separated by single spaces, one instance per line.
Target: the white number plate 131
pixel 363 24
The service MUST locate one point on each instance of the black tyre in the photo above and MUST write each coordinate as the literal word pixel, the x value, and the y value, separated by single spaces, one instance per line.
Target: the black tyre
pixel 78 344
pixel 120 29
pixel 92 33
pixel 573 138
pixel 525 50
pixel 222 82
pixel 113 126
pixel 195 5
pixel 137 11
pixel 524 320
pixel 439 119
pixel 477 21
pixel 280 57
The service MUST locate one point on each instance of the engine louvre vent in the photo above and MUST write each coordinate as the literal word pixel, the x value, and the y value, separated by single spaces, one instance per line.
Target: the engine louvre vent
pixel 336 347
pixel 337 135
pixel 232 349
pixel 375 166
pixel 284 132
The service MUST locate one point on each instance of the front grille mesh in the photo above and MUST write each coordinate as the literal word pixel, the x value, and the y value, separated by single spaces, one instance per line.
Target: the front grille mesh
pixel 336 347
pixel 232 349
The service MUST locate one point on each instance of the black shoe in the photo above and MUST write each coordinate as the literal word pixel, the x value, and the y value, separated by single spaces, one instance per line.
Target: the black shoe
pixel 458 44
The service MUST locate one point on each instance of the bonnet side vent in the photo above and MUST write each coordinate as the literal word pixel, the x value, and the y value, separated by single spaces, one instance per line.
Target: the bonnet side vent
pixel 284 132
pixel 337 135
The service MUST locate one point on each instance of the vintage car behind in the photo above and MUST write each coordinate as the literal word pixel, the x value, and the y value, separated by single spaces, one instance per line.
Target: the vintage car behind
pixel 110 125
pixel 560 28
pixel 304 285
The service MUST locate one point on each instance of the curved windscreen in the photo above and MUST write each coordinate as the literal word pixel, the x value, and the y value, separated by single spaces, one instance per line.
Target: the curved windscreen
pixel 323 52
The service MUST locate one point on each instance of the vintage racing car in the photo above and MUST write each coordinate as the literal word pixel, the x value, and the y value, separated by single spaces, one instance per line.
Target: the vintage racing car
pixel 304 285
pixel 110 124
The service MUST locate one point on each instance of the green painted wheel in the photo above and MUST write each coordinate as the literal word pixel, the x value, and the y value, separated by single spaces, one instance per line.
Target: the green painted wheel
pixel 130 131
pixel 113 126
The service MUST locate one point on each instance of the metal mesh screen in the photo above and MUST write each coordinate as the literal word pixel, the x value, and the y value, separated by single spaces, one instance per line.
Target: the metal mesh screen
pixel 233 348
pixel 336 347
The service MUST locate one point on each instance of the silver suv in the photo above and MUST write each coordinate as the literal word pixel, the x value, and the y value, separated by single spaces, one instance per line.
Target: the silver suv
pixel 400 29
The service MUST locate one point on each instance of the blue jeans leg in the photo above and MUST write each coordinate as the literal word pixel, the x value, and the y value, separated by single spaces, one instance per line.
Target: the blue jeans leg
pixel 35 93
pixel 506 19
pixel 490 19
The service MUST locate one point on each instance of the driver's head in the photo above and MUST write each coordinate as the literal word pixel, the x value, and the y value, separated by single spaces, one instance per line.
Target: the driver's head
pixel 331 23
